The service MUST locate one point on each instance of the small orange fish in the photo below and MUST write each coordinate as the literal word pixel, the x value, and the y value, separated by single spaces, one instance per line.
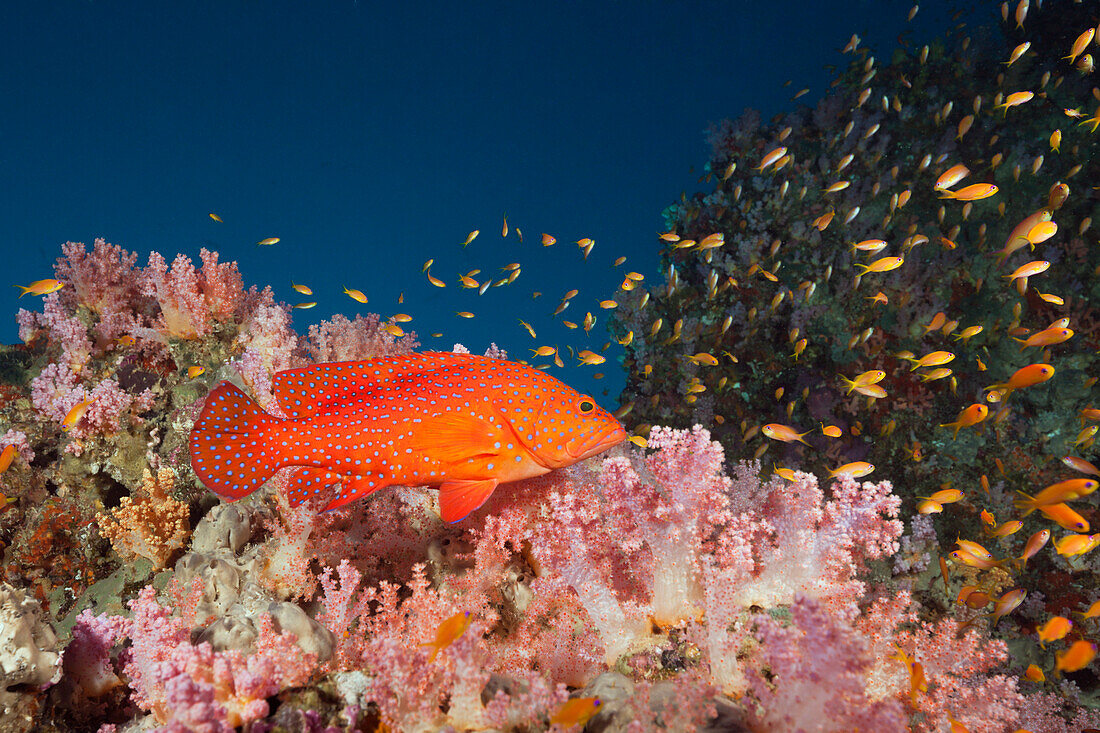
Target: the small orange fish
pixel 1080 44
pixel 1017 239
pixel 785 433
pixel 950 177
pixel 1015 100
pixel 590 357
pixel 195 371
pixel 973 597
pixel 461 422
pixel 547 240
pixel 1047 337
pixel 1030 269
pixel 41 287
pixel 472 236
pixel 968 333
pixel 1008 603
pixel 937 323
pixel 1041 232
pixel 1091 612
pixel 576 711
pixel 970 416
pixel 303 289
pixel 1027 376
pixel 1035 673
pixel 771 157
pixel 448 632
pixel 831 431
pixel 216 218
pixel 856 469
pixel 269 241
pixel 356 295
pixel 935 358
pixel 870 245
pixel 1065 517
pixel 975 192
pixel 945 496
pixel 973 548
pixel 1034 543
pixel 72 417
pixel 927 506
pixel 1078 656
pixel 873 376
pixel 917 681
pixel 885 264
pixel 1008 528
pixel 1080 464
pixel 6 457
pixel 1054 629
pixel 1017 53
pixel 784 473
pixel 1057 493
pixel 126 340
pixel 1076 544
pixel 305 306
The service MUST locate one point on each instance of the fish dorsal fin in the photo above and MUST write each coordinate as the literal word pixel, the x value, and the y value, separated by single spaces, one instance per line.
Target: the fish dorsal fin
pixel 458 498
pixel 453 437
pixel 305 391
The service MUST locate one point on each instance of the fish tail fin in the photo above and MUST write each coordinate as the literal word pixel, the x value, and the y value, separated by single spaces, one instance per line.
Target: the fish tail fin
pixel 1028 503
pixel 229 449
pixel 25 290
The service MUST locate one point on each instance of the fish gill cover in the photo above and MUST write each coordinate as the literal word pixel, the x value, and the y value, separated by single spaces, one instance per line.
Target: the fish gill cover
pixel 846 301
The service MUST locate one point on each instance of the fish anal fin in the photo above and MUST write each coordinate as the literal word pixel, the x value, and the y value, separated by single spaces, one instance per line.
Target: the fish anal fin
pixel 355 489
pixel 453 438
pixel 458 498
pixel 307 481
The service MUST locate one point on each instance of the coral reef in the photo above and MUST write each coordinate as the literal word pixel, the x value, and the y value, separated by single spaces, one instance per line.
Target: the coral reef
pixel 669 584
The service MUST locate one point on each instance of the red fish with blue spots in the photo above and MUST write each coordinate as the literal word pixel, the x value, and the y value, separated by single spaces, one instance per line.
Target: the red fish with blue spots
pixel 461 422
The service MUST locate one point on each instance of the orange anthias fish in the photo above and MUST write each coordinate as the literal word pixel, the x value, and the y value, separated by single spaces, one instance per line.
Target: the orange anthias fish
pixel 448 632
pixel 461 422
pixel 6 457
pixel 41 287
pixel 576 711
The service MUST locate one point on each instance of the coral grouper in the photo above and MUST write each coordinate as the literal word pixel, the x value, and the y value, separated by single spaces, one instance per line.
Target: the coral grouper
pixel 461 422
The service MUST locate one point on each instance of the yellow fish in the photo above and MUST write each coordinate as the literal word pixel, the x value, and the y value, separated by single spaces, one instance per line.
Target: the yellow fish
pixel 448 632
pixel 41 287
pixel 356 295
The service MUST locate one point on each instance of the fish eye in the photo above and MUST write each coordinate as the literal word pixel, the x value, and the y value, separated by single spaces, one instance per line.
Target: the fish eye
pixel 587 406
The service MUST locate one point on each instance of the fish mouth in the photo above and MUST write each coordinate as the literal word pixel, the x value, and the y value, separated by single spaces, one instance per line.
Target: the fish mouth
pixel 609 438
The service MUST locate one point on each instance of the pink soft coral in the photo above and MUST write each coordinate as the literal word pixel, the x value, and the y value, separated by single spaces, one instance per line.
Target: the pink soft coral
pixel 671 539
pixel 192 687
pixel 817 667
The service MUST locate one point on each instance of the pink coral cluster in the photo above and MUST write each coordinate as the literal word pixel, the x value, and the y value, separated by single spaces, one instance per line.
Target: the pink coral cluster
pixel 817 667
pixel 192 300
pixel 57 389
pixel 191 687
pixel 671 539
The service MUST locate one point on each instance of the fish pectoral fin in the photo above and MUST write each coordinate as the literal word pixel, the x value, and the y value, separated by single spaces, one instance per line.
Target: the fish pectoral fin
pixel 458 498
pixel 454 438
